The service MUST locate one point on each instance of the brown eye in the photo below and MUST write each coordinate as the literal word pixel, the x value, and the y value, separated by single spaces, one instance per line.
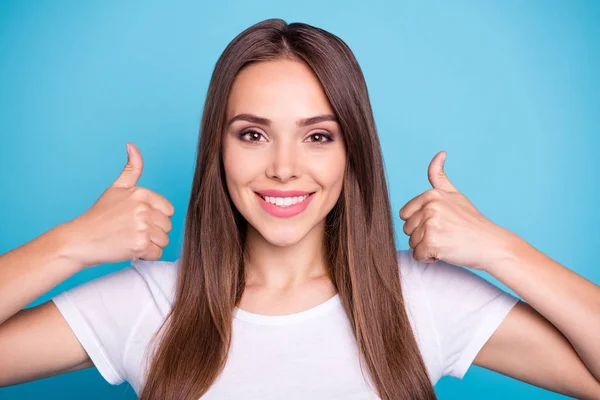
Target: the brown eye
pixel 253 136
pixel 320 138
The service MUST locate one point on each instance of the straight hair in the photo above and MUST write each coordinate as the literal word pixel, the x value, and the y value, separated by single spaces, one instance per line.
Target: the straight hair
pixel 195 337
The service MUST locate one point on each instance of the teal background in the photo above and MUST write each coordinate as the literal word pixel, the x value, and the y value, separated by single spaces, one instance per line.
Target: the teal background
pixel 510 89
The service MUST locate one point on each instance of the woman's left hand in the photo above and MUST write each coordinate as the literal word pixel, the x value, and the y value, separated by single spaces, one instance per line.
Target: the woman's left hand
pixel 444 225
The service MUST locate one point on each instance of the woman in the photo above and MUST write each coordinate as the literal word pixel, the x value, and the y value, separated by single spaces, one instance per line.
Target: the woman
pixel 289 282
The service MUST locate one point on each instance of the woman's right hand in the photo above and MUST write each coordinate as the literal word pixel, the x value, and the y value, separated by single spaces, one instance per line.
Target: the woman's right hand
pixel 127 222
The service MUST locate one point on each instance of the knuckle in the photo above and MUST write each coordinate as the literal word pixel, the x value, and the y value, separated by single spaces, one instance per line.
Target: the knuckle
pixel 436 193
pixel 431 223
pixel 139 192
pixel 429 211
pixel 142 209
pixel 433 206
pixel 141 224
pixel 141 242
pixel 430 242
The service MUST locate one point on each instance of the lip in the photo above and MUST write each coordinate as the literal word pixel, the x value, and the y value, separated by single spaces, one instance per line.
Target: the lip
pixel 282 193
pixel 284 212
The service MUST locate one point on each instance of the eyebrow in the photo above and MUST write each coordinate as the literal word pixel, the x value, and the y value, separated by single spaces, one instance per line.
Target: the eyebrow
pixel 264 121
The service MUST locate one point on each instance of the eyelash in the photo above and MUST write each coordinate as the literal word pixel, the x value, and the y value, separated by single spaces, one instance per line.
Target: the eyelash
pixel 245 132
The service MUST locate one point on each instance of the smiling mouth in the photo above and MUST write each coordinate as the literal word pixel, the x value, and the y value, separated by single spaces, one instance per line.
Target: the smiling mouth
pixel 285 201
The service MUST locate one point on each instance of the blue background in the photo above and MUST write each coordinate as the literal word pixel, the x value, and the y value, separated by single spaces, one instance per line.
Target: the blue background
pixel 510 89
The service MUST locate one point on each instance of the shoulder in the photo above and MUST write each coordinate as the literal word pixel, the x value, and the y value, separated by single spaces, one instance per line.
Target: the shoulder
pixel 115 315
pixel 405 262
pixel 454 310
pixel 436 275
pixel 161 274
pixel 135 286
pixel 160 278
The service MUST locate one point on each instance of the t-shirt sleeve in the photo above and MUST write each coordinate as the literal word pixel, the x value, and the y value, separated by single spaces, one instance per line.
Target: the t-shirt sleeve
pixel 104 313
pixel 465 311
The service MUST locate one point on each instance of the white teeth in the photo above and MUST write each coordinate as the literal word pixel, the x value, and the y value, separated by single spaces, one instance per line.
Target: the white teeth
pixel 285 201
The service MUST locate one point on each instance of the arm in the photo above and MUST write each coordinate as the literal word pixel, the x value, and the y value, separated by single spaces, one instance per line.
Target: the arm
pixel 126 222
pixel 33 269
pixel 551 340
pixel 36 342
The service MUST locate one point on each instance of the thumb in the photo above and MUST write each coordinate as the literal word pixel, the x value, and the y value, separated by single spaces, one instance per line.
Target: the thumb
pixel 132 170
pixel 436 174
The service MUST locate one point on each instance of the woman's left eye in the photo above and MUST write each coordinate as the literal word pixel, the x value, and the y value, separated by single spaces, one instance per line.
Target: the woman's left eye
pixel 321 138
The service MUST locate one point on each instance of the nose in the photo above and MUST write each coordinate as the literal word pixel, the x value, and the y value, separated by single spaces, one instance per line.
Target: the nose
pixel 283 164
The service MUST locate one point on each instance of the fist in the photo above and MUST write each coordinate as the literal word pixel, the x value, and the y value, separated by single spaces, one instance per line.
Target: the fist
pixel 127 221
pixel 444 225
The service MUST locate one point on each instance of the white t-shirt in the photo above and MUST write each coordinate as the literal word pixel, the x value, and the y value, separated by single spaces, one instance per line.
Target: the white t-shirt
pixel 311 354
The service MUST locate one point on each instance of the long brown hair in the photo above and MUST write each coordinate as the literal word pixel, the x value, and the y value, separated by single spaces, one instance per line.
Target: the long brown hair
pixel 359 235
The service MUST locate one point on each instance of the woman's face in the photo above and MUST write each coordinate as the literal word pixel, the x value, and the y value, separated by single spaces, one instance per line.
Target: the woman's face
pixel 274 153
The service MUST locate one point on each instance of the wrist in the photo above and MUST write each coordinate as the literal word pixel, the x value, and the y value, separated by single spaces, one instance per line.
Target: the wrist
pixel 67 237
pixel 508 250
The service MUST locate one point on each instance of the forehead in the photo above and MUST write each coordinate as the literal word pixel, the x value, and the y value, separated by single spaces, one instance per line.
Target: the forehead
pixel 277 90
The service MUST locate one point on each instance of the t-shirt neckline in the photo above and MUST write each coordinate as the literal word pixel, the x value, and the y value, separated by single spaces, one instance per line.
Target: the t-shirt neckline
pixel 287 318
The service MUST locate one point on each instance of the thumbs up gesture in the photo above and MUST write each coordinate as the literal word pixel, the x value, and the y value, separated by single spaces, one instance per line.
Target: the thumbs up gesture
pixel 444 225
pixel 127 221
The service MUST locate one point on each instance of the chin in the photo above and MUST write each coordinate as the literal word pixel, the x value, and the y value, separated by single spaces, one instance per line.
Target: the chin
pixel 283 237
pixel 282 242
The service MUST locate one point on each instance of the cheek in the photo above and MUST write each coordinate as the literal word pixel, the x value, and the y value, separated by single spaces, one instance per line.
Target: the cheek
pixel 233 172
pixel 241 168
pixel 329 171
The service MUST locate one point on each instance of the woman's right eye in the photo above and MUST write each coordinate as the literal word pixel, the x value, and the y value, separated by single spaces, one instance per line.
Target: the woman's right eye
pixel 253 136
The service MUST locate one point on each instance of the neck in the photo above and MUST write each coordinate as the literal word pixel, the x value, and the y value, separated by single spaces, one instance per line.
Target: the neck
pixel 285 267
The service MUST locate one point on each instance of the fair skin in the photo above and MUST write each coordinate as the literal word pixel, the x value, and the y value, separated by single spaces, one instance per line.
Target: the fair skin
pixel 287 270
pixel 549 341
